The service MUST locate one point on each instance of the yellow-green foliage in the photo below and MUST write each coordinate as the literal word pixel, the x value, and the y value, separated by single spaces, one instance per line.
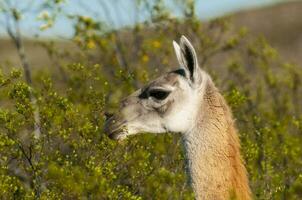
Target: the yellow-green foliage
pixel 74 159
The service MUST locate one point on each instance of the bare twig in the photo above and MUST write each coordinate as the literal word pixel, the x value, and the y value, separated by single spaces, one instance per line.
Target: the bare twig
pixel 14 32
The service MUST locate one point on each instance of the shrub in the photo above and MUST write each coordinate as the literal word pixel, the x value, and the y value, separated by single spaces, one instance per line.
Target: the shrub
pixel 74 159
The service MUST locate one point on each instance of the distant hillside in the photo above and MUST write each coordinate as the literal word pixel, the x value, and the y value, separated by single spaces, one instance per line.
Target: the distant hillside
pixel 9 56
pixel 280 24
pixel 36 54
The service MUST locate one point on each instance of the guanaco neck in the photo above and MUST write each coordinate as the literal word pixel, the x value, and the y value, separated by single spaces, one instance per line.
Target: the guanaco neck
pixel 213 151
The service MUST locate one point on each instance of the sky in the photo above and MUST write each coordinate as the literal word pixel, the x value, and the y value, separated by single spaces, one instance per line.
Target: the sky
pixel 122 13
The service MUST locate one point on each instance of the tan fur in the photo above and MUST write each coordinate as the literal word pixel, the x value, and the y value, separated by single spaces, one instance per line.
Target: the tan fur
pixel 214 160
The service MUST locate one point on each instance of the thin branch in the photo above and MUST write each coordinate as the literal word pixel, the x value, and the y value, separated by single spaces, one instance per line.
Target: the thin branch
pixel 9 28
pixel 13 30
pixel 27 157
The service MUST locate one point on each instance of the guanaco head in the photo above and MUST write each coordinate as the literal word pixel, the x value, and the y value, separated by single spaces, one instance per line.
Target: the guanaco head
pixel 168 104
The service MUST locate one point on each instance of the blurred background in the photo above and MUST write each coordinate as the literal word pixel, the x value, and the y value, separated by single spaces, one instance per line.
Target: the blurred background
pixel 277 20
pixel 64 64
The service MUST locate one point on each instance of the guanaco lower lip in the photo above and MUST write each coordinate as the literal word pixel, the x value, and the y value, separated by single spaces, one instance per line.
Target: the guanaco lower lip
pixel 118 135
pixel 115 129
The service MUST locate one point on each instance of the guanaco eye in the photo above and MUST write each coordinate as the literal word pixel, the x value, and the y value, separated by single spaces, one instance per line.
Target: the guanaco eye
pixel 159 94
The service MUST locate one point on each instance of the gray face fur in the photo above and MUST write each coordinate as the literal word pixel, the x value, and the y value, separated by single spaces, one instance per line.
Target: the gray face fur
pixel 168 104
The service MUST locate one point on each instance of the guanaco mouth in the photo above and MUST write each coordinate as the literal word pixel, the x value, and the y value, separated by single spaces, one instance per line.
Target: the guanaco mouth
pixel 115 128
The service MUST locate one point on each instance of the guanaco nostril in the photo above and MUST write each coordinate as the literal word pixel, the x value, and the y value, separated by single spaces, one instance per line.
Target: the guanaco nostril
pixel 126 102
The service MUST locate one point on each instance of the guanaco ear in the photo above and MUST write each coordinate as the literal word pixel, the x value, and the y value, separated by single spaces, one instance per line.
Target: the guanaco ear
pixel 178 53
pixel 189 59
